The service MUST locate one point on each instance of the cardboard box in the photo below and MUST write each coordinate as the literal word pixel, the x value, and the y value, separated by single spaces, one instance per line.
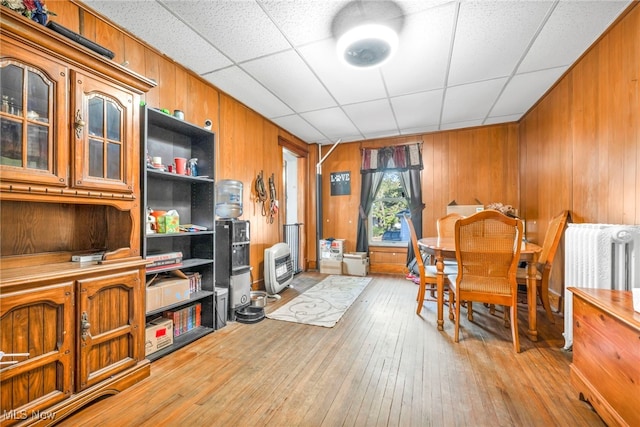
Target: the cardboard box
pixel 331 249
pixel 174 290
pixel 355 264
pixel 158 335
pixel 154 298
pixel 464 210
pixel 331 266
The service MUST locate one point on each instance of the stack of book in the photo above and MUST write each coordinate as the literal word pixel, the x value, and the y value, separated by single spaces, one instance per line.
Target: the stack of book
pixel 184 319
pixel 164 260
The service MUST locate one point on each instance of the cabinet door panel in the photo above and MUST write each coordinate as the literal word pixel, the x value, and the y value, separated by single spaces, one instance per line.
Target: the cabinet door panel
pixel 109 322
pixel 37 323
pixel 33 114
pixel 105 157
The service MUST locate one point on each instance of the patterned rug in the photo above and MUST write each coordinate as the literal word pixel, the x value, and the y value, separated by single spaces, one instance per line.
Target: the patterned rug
pixel 323 304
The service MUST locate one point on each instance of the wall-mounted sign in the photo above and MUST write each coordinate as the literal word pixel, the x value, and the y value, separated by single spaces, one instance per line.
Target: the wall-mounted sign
pixel 340 183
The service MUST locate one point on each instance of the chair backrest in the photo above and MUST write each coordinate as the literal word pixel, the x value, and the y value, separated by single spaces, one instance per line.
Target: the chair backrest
pixel 552 238
pixel 414 243
pixel 446 225
pixel 488 247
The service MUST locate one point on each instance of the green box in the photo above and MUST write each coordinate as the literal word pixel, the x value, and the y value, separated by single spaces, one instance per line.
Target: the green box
pixel 169 223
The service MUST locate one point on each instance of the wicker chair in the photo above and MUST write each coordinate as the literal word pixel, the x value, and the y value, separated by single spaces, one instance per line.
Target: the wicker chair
pixel 545 260
pixel 487 251
pixel 446 226
pixel 428 274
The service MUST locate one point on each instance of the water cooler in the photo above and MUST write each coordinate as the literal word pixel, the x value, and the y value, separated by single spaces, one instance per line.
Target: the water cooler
pixel 232 263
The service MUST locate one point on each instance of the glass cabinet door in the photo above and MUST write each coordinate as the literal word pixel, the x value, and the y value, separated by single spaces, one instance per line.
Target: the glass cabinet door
pixel 30 149
pixel 104 158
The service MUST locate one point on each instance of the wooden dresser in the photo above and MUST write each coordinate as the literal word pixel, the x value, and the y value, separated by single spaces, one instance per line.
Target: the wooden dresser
pixel 606 354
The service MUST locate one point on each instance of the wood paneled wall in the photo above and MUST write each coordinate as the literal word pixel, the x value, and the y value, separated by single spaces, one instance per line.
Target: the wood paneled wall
pixel 580 145
pixel 462 165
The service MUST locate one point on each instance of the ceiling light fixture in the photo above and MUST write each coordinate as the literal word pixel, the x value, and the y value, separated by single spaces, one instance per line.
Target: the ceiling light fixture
pixel 367 46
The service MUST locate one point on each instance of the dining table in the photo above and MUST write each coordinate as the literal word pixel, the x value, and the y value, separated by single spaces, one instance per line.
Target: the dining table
pixel 442 248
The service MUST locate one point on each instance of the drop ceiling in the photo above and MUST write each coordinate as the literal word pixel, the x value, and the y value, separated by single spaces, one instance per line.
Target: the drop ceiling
pixel 459 64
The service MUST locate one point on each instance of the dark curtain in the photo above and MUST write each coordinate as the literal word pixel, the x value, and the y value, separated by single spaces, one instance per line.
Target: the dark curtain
pixel 413 188
pixel 370 185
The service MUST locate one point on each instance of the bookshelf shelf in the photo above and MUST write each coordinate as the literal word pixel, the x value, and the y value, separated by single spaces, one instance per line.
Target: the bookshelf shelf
pixel 192 197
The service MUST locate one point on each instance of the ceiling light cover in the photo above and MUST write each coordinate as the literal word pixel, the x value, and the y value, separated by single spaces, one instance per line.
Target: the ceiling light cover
pixel 369 45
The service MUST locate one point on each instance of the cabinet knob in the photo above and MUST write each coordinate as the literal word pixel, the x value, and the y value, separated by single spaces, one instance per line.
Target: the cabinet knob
pixel 79 124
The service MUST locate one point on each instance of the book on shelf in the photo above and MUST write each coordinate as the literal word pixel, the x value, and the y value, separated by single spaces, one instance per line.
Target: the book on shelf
pixel 185 319
pixel 195 282
pixel 164 256
pixel 157 267
pixel 165 262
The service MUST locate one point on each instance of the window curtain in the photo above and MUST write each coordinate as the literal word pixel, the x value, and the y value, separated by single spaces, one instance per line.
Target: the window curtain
pixel 370 185
pixel 375 162
pixel 412 183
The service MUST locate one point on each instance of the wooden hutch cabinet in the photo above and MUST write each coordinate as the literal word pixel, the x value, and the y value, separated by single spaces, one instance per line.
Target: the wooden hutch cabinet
pixel 70 332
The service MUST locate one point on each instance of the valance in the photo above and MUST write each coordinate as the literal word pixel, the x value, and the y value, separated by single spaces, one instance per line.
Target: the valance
pixel 397 157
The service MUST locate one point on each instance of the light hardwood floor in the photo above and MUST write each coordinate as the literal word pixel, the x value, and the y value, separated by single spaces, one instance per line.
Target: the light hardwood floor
pixel 381 365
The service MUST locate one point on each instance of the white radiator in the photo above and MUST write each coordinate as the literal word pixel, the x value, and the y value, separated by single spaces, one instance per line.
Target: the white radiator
pixel 604 256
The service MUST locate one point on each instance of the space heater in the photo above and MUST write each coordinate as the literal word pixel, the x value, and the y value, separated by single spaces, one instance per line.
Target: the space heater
pixel 278 268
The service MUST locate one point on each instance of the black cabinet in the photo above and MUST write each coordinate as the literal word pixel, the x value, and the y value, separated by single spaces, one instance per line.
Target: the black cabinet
pixel 192 197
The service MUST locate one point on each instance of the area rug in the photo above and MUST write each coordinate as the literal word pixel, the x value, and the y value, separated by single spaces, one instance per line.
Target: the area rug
pixel 324 303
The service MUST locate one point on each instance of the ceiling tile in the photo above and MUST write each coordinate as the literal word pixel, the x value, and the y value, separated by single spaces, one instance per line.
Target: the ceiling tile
pixel 490 38
pixel 524 90
pixel 372 118
pixel 420 129
pixel 502 119
pixel 333 123
pixel 245 89
pixel 461 125
pixel 418 110
pixel 300 128
pixel 291 81
pixel 570 30
pixel 298 20
pixel 240 29
pixel 470 102
pixel 422 59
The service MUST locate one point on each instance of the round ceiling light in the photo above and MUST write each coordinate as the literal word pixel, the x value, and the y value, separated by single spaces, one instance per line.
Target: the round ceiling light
pixel 368 45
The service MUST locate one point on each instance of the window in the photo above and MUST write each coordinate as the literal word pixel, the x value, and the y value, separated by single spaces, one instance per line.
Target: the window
pixel 386 221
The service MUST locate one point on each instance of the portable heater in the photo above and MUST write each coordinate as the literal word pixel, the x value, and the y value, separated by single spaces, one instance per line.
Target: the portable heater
pixel 278 268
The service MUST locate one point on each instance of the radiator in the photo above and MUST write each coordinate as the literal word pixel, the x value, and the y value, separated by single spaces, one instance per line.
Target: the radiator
pixel 292 237
pixel 605 256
